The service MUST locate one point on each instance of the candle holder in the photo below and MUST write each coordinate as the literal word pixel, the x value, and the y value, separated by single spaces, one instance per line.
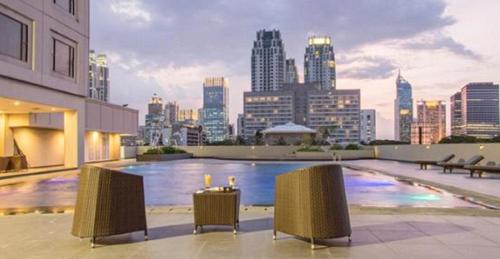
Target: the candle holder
pixel 208 181
pixel 232 181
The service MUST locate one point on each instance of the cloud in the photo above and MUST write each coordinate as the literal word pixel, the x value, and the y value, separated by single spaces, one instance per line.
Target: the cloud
pixel 436 40
pixel 130 10
pixel 365 67
pixel 169 46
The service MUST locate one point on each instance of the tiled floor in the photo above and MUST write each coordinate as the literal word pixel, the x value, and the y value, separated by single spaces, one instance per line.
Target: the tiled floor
pixel 374 236
pixel 489 184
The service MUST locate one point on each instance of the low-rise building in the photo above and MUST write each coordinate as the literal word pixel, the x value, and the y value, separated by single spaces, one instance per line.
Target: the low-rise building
pixel 289 134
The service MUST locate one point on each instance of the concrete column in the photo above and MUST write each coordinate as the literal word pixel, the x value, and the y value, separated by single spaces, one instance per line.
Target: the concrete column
pixel 6 137
pixel 74 130
pixel 114 146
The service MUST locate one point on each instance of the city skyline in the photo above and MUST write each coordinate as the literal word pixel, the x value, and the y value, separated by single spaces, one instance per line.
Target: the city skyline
pixel 435 49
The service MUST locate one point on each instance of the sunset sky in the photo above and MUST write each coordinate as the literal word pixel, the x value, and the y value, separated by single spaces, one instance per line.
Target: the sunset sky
pixel 169 47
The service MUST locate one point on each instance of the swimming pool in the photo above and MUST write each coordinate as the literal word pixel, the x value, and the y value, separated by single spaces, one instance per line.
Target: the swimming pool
pixel 172 183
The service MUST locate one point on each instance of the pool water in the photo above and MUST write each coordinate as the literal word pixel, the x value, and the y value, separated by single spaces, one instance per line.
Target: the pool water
pixel 172 183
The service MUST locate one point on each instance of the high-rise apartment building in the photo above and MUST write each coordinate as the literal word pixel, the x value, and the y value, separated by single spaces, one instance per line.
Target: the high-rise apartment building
pixel 368 125
pixel 308 105
pixel 291 74
pixel 268 61
pixel 98 77
pixel 45 115
pixel 155 121
pixel 171 113
pixel 319 62
pixel 456 114
pixel 189 115
pixel 215 108
pixel 240 125
pixel 403 110
pixel 430 125
pixel 479 110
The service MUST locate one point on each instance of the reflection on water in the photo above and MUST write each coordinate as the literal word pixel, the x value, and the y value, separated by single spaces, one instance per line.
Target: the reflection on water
pixel 172 183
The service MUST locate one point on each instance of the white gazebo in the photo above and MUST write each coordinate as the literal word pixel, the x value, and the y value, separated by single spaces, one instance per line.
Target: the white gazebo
pixel 288 134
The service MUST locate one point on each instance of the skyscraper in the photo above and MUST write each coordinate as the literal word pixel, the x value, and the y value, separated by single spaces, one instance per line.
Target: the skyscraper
pixel 292 76
pixel 480 110
pixel 304 104
pixel 268 61
pixel 403 110
pixel 98 77
pixel 215 108
pixel 430 126
pixel 319 62
pixel 456 114
pixel 240 124
pixel 155 121
pixel 171 112
pixel 368 125
pixel 189 115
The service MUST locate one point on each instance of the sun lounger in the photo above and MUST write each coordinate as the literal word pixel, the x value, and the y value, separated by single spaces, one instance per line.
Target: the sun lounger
pixel 425 163
pixel 490 167
pixel 461 163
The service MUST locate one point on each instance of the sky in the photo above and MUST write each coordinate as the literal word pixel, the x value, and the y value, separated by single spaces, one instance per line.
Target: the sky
pixel 168 47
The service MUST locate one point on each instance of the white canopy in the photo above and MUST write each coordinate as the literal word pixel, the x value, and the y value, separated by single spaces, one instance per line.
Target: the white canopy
pixel 289 128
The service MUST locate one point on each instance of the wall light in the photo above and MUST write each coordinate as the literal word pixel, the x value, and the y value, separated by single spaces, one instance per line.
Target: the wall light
pixel 95 136
pixel 253 147
pixel 481 147
pixel 17 103
pixel 396 147
pixel 53 109
pixel 427 147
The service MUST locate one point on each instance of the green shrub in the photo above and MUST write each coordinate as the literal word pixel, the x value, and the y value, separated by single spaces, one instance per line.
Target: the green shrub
pixel 153 151
pixel 353 147
pixel 336 147
pixel 164 150
pixel 172 150
pixel 310 149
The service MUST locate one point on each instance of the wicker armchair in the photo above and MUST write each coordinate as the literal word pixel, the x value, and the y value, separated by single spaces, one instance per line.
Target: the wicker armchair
pixel 311 203
pixel 108 203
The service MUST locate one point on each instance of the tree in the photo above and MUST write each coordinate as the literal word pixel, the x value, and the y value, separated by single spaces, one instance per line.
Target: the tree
pixel 306 139
pixel 258 138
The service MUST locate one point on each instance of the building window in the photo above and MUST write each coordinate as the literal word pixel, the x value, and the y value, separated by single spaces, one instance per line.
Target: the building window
pixel 68 5
pixel 63 58
pixel 14 38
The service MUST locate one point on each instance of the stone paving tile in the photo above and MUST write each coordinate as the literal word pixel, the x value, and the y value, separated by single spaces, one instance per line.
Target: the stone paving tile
pixel 427 251
pixel 476 252
pixel 374 236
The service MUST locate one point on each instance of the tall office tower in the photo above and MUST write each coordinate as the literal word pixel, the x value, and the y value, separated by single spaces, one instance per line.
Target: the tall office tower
pixel 155 121
pixel 98 77
pixel 336 110
pixel 268 61
pixel 215 108
pixel 430 126
pixel 305 104
pixel 456 114
pixel 240 124
pixel 403 110
pixel 368 125
pixel 189 116
pixel 292 76
pixel 171 112
pixel 319 62
pixel 480 114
